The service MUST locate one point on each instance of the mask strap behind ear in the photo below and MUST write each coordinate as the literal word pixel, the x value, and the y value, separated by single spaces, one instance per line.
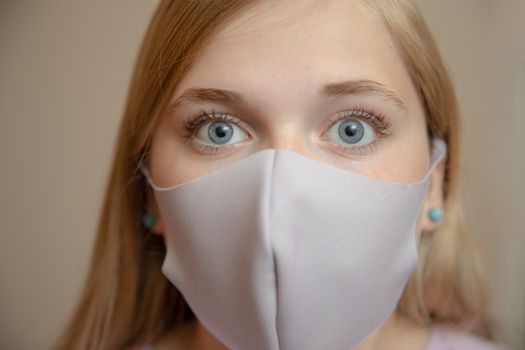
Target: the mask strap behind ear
pixel 439 150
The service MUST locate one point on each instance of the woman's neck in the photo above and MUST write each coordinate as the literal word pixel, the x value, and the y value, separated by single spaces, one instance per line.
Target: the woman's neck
pixel 395 333
pixel 204 340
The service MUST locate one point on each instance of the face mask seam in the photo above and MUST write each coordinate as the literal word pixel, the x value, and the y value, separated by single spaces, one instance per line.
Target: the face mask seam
pixel 274 259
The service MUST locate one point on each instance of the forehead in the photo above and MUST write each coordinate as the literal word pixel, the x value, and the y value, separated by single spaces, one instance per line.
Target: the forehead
pixel 298 46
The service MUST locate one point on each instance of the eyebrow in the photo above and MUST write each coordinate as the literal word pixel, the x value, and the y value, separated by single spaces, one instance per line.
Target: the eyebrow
pixel 349 87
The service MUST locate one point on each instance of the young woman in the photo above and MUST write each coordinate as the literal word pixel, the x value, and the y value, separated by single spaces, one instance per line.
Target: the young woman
pixel 285 177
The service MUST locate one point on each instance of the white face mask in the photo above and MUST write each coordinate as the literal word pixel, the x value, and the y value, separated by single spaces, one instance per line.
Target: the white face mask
pixel 279 251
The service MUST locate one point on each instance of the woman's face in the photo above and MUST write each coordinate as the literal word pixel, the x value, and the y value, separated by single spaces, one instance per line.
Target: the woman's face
pixel 323 79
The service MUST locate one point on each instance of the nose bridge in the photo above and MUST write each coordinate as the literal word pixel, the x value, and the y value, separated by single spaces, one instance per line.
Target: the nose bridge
pixel 291 137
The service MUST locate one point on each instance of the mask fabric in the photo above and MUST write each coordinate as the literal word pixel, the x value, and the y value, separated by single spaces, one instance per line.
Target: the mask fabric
pixel 279 251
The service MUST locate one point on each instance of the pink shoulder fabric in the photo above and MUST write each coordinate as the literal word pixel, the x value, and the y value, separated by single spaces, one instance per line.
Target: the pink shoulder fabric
pixel 448 339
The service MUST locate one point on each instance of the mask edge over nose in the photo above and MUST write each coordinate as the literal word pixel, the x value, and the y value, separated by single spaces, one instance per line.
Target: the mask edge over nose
pixel 440 150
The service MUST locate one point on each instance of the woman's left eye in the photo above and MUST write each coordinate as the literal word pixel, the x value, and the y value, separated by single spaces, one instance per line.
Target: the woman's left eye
pixel 352 132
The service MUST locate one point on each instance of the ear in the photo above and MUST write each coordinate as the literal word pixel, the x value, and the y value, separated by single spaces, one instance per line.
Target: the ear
pixel 434 198
pixel 159 228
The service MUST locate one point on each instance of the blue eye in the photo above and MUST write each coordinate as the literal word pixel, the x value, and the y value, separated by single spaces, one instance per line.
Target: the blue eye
pixel 352 132
pixel 220 133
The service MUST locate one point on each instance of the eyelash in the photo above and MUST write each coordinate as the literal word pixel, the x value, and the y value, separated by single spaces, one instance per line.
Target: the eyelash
pixel 378 121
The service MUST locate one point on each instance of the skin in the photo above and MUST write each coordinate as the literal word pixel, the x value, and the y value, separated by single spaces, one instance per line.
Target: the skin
pixel 278 55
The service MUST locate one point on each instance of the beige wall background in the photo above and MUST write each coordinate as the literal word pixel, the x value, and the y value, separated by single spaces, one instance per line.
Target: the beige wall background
pixel 64 72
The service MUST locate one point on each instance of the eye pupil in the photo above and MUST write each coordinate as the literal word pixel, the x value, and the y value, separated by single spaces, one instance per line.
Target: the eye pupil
pixel 351 131
pixel 220 132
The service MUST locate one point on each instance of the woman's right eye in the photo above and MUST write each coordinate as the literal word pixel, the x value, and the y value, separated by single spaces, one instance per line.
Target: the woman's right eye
pixel 214 132
pixel 219 133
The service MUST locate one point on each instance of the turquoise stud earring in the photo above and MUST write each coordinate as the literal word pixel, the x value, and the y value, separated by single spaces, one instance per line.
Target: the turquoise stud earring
pixel 435 214
pixel 148 220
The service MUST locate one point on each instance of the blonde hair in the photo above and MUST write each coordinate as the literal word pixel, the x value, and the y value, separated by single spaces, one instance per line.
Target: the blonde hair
pixel 127 300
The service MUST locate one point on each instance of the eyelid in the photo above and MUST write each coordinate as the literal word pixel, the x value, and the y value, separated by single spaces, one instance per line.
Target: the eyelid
pixel 378 121
pixel 192 124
